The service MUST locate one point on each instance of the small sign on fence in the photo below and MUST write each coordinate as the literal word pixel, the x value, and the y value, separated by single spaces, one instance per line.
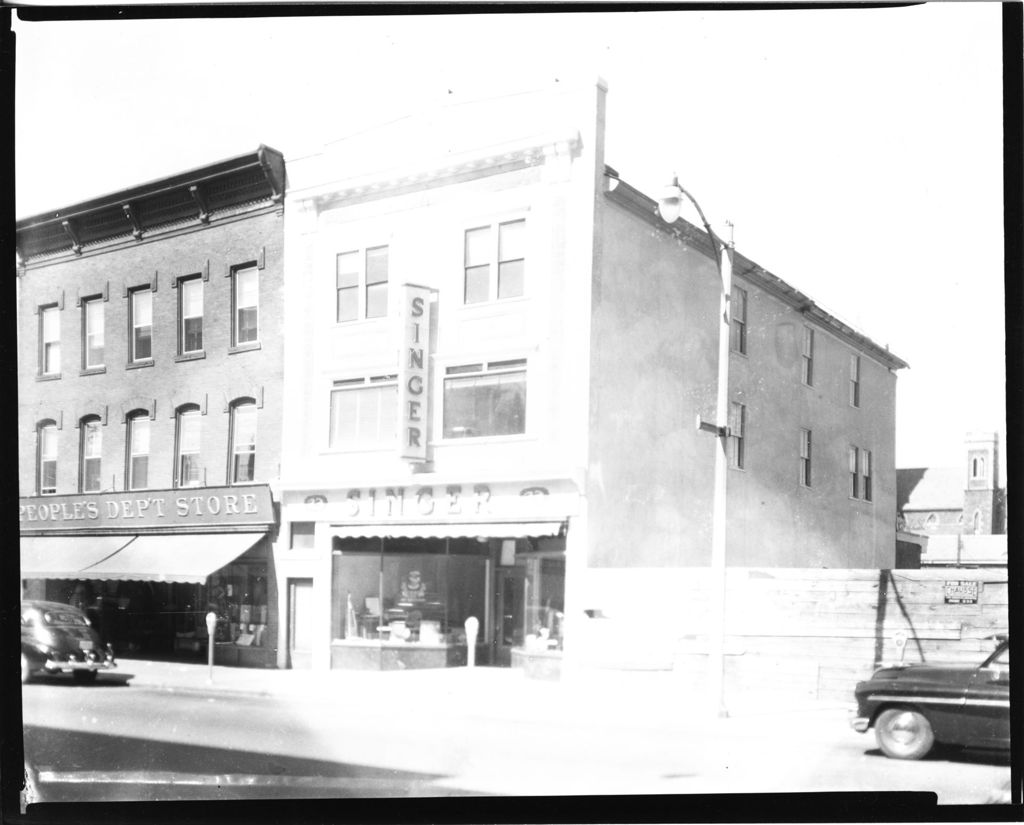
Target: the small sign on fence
pixel 961 592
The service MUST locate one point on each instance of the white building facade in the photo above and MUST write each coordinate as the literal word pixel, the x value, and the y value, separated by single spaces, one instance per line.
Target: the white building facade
pixel 436 382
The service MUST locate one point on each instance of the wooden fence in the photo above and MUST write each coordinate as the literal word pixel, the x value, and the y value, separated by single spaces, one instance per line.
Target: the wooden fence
pixel 802 633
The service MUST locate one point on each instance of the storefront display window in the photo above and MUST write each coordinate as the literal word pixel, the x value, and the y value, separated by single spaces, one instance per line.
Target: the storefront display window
pixel 544 597
pixel 238 595
pixel 409 592
pixel 401 603
pixel 161 618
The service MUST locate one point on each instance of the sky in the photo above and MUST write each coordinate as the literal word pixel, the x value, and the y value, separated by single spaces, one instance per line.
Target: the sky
pixel 857 152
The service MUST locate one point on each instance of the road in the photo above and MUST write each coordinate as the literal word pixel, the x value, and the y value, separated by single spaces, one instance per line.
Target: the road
pixel 114 742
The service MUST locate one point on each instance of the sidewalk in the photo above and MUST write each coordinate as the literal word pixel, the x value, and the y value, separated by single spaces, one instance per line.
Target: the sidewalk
pixel 615 698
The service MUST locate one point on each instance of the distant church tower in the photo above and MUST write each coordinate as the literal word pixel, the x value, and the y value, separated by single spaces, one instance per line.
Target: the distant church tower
pixel 983 511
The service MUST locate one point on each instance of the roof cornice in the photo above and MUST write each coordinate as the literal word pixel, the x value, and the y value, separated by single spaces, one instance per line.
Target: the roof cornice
pixel 646 208
pixel 117 244
pixel 413 177
pixel 157 206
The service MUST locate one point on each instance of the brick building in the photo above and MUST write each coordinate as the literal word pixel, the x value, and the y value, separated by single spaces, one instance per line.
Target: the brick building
pixel 496 350
pixel 149 372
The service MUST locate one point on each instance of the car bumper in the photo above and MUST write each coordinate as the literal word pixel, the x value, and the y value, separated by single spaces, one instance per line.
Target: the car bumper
pixel 860 723
pixel 67 667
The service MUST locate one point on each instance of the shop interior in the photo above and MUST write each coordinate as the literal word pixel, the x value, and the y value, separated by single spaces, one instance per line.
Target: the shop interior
pixel 167 620
pixel 416 594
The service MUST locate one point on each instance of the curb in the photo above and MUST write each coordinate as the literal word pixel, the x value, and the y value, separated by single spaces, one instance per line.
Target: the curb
pixel 211 691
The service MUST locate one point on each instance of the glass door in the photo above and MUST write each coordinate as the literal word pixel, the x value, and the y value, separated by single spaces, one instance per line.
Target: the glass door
pixel 510 614
pixel 300 623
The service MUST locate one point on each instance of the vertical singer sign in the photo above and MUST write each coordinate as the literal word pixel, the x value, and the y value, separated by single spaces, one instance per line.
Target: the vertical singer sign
pixel 413 383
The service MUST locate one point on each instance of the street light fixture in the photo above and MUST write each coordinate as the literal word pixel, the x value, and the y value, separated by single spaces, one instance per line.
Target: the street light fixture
pixel 669 207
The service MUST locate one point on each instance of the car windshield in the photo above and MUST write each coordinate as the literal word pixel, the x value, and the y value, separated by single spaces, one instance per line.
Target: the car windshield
pixel 57 619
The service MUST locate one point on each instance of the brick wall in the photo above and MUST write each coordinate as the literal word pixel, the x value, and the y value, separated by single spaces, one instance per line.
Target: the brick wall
pixel 946 521
pixel 212 381
pixel 984 502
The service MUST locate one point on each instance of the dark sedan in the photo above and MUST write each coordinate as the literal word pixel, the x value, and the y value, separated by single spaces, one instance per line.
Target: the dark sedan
pixel 58 638
pixel 914 706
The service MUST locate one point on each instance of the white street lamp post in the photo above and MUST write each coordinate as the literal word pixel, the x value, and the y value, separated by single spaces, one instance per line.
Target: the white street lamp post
pixel 669 208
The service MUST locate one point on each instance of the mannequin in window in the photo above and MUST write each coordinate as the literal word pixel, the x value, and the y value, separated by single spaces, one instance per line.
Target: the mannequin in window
pixel 413 592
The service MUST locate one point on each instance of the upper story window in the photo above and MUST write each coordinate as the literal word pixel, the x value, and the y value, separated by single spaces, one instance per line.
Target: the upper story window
pixel 190 315
pixel 245 300
pixel 737 434
pixel 187 466
pixel 46 471
pixel 364 412
pixel 49 340
pixel 138 451
pixel 865 474
pixel 805 457
pixel 855 380
pixel 92 333
pixel 854 461
pixel 807 375
pixel 978 467
pixel 485 399
pixel 362 284
pixel 738 339
pixel 92 455
pixel 302 535
pixel 495 262
pixel 141 312
pixel 243 442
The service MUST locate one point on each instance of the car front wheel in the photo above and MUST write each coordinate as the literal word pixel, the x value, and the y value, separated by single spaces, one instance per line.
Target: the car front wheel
pixel 904 734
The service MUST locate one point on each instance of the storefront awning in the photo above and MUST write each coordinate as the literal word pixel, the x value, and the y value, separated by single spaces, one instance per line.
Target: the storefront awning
pixel 181 558
pixel 65 557
pixel 451 530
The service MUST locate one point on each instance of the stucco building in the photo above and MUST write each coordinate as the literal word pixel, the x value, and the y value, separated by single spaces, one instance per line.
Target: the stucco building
pixel 495 353
pixel 150 364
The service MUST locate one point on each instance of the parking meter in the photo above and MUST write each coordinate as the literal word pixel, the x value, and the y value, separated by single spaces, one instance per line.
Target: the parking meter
pixel 472 626
pixel 211 628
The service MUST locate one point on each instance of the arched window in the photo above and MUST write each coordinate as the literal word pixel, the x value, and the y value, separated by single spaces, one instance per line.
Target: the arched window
pixel 46 459
pixel 977 522
pixel 243 442
pixel 187 469
pixel 137 473
pixel 931 521
pixel 91 435
pixel 978 468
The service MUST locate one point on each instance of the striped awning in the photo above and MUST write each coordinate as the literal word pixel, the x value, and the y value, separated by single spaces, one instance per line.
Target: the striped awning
pixel 184 559
pixel 65 557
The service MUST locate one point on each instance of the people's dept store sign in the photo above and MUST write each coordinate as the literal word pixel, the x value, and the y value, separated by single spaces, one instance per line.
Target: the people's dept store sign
pixel 207 506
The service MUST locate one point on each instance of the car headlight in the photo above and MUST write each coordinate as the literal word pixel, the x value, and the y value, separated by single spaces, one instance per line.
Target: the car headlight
pixel 44 636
